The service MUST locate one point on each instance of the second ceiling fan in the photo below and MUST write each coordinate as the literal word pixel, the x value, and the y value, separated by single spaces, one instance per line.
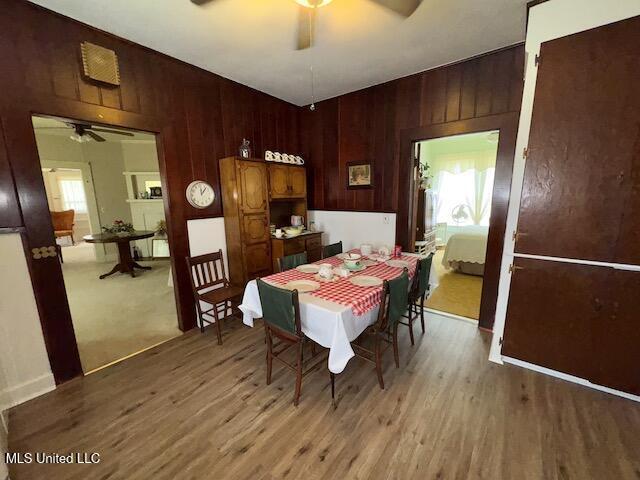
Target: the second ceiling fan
pixel 306 15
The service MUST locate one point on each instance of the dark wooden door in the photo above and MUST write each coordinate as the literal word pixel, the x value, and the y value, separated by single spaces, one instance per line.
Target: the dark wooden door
pixel 584 138
pixel 253 186
pixel 552 309
pixel 279 181
pixel 10 215
pixel 297 182
pixel 617 335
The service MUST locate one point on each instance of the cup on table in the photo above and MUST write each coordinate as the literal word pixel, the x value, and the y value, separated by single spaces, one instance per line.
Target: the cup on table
pixel 366 249
pixel 326 271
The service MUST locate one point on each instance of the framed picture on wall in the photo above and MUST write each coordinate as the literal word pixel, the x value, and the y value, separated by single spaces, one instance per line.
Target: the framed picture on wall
pixel 359 175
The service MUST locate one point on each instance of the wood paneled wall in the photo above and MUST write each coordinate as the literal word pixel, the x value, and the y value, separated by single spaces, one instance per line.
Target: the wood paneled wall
pixel 201 117
pixel 366 125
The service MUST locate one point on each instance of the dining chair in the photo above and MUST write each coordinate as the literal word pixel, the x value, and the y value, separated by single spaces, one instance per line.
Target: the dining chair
pixel 63 224
pixel 332 250
pixel 418 293
pixel 384 332
pixel 210 285
pixel 291 261
pixel 283 330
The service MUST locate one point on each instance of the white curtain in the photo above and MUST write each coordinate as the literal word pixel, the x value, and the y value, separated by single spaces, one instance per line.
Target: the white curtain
pixel 463 184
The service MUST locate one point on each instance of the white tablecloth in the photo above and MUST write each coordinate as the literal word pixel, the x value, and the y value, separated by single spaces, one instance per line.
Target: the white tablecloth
pixel 465 247
pixel 329 324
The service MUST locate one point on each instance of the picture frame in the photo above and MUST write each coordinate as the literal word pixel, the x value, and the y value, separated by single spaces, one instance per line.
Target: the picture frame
pixel 359 175
pixel 155 192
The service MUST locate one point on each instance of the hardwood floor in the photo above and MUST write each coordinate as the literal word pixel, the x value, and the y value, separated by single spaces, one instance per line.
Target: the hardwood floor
pixel 190 409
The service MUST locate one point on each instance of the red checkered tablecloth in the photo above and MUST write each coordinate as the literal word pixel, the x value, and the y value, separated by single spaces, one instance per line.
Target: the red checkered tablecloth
pixel 342 291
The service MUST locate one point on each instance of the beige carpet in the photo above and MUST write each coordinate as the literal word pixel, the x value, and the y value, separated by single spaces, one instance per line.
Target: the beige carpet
pixel 456 293
pixel 120 315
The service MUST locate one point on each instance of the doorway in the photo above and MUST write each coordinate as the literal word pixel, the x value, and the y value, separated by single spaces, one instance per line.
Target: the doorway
pixel 104 194
pixel 455 194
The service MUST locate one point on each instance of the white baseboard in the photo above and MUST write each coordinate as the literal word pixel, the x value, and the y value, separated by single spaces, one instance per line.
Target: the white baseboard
pixel 569 378
pixel 12 396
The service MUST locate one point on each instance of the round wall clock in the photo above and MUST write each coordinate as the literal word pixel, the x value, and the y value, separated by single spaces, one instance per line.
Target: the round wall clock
pixel 200 194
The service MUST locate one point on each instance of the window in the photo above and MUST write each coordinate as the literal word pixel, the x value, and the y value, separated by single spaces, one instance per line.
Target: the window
pixel 73 195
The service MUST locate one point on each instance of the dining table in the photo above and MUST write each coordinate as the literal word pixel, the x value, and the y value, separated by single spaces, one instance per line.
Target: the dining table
pixel 126 264
pixel 338 311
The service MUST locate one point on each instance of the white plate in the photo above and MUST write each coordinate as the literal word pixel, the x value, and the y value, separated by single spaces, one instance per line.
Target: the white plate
pixel 368 263
pixel 302 286
pixel 397 263
pixel 366 281
pixel 308 268
pixel 342 256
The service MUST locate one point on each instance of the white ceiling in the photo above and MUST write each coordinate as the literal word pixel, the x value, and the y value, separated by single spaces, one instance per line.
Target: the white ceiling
pixel 358 43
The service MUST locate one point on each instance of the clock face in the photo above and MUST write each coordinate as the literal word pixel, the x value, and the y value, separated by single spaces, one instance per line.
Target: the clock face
pixel 200 194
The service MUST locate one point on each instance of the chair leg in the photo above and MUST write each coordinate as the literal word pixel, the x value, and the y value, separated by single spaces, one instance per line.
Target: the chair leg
pixel 333 389
pixel 267 337
pixel 410 322
pixel 396 355
pixel 379 364
pixel 422 311
pixel 298 375
pixel 218 326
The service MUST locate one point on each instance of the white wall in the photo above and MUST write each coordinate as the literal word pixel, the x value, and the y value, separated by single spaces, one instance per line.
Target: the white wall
pixel 23 356
pixel 355 228
pixel 547 21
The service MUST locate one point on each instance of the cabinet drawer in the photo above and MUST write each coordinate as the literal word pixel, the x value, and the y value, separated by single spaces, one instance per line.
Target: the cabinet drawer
pixel 314 242
pixel 296 245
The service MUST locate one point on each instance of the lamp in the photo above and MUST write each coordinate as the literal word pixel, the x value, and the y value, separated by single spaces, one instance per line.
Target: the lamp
pixel 313 3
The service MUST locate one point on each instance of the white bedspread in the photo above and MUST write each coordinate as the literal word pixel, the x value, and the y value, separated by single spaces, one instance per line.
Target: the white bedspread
pixel 465 247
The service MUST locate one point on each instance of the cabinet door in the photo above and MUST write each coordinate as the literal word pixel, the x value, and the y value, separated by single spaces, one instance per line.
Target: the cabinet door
pixel 255 229
pixel 258 260
pixel 298 182
pixel 552 309
pixel 253 187
pixel 279 181
pixel 617 334
pixel 584 135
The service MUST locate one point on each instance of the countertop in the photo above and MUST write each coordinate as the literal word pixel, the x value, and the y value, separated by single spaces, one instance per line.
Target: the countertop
pixel 305 233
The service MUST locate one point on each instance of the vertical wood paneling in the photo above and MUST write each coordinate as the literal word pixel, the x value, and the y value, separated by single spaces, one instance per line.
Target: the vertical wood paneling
pixel 200 116
pixel 370 121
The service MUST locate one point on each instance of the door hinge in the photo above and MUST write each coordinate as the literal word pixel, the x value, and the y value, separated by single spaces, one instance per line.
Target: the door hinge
pixel 525 152
pixel 500 341
pixel 44 252
pixel 513 268
pixel 515 236
pixel 536 60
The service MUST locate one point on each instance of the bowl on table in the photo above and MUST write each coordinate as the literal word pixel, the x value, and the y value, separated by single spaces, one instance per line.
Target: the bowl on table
pixel 293 231
pixel 352 261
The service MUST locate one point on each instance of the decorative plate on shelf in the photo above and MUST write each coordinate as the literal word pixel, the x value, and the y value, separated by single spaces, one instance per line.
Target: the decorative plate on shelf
pixel 303 286
pixel 366 281
pixel 308 268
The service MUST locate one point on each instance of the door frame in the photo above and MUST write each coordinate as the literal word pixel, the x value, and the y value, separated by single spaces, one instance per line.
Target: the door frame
pixel 46 273
pixel 507 125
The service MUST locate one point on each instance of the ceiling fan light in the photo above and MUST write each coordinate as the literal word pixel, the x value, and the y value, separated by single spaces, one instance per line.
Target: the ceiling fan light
pixel 76 137
pixel 313 3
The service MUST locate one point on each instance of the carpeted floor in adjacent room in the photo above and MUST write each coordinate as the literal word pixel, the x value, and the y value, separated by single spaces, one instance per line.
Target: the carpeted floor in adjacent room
pixel 457 293
pixel 119 315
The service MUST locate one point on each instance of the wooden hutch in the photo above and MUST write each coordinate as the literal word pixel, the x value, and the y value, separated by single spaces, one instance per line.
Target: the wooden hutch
pixel 255 195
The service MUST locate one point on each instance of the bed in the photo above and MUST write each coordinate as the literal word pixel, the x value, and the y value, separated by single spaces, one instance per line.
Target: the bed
pixel 465 252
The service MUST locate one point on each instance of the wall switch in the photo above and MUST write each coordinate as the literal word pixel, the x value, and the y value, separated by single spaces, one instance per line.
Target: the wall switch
pixel 385 219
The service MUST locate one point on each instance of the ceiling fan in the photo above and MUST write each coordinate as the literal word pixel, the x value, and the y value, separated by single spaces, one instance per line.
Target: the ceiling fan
pixel 306 15
pixel 84 132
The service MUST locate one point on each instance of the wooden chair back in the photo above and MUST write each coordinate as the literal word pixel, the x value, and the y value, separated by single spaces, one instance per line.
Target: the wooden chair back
pixel 332 249
pixel 207 272
pixel 280 309
pixel 291 261
pixel 63 221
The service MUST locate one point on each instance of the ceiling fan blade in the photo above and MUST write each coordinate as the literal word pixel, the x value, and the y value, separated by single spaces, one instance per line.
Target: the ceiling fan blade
pixel 51 128
pixel 106 130
pixel 401 7
pixel 95 136
pixel 200 2
pixel 306 23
